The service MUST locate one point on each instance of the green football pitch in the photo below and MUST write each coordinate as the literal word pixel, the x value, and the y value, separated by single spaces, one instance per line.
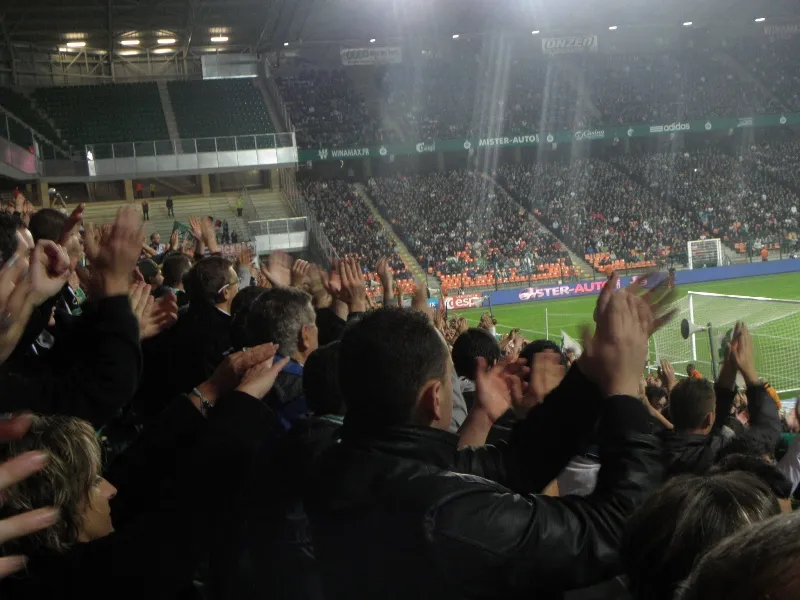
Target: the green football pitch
pixel 776 327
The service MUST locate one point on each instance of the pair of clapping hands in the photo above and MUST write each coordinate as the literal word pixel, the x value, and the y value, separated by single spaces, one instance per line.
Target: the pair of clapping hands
pixel 613 356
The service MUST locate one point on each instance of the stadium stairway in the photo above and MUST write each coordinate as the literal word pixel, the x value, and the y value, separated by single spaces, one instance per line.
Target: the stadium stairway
pixel 270 205
pixel 411 262
pixel 169 112
pixel 221 207
pixel 585 270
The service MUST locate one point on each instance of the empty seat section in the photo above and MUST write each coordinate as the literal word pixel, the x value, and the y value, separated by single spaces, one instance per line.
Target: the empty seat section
pixel 221 107
pixel 102 114
pixel 22 108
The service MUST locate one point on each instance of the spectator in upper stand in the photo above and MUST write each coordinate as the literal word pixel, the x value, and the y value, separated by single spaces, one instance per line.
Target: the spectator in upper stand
pixel 486 536
pixel 170 206
pixel 145 209
pixel 698 412
pixel 152 190
pixel 682 521
pixel 286 316
pixel 239 206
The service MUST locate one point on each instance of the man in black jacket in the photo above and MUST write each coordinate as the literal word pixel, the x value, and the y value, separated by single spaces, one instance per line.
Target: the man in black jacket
pixel 398 512
pixel 181 357
pixel 701 412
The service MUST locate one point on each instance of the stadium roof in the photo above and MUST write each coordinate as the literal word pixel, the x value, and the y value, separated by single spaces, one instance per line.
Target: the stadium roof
pixel 267 24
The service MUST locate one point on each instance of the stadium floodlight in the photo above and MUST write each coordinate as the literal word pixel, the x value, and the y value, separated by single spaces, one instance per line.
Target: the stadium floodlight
pixel 130 42
pixel 372 41
pixel 285 43
pixel 76 44
pixel 455 36
pixel 613 28
pixel 760 19
pixel 535 32
pixel 687 24
pixel 219 39
pixel 165 41
pixel 162 50
pixel 129 52
pixel 63 49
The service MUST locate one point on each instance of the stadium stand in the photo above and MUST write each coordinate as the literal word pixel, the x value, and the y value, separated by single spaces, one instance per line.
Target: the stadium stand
pixel 468 232
pixel 103 114
pixel 219 108
pixel 352 229
pixel 24 109
pixel 327 110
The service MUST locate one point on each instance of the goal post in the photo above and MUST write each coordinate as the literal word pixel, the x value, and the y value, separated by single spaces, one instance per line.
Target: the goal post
pixel 704 253
pixel 773 323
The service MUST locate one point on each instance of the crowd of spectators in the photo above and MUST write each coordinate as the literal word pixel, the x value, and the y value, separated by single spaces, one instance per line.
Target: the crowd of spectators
pixel 434 99
pixel 275 438
pixel 669 86
pixel 460 223
pixel 327 111
pixel 718 195
pixel 771 61
pixel 598 209
pixel 489 91
pixel 350 226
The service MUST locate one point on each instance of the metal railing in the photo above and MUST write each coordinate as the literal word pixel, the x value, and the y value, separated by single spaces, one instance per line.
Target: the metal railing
pixel 47 148
pixel 325 250
pixel 278 226
pixel 264 141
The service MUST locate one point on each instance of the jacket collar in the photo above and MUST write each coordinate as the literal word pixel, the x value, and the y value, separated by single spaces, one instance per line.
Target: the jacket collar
pixel 425 444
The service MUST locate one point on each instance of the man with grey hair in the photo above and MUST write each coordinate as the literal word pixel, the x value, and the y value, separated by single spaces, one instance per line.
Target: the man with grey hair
pixel 286 317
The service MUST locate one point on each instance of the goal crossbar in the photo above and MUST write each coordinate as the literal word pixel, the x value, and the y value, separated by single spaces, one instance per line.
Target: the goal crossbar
pixel 761 298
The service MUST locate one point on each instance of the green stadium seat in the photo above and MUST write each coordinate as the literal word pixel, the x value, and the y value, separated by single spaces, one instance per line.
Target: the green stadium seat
pixel 220 107
pixel 104 114
pixel 24 109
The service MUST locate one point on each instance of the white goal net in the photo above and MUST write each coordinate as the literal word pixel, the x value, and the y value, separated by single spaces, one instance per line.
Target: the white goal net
pixel 774 324
pixel 704 253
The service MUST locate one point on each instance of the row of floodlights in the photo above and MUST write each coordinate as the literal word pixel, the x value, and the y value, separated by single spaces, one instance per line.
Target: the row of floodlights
pixel 610 27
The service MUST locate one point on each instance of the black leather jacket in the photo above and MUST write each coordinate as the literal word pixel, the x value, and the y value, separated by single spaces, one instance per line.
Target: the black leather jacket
pixel 401 513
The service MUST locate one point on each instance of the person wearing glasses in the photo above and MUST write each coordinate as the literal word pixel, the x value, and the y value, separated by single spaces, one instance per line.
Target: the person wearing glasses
pixel 183 356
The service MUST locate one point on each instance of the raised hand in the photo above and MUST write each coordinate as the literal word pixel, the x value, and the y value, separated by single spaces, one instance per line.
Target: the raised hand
pixel 354 290
pixel 245 257
pixel 495 389
pixel 667 376
pixel 197 228
pixel 16 303
pixel 614 356
pixel 742 353
pixel 439 318
pixel 154 316
pixel 12 472
pixel 173 240
pixel 50 269
pixel 546 375
pixel 300 273
pixel 419 301
pixel 114 258
pixel 278 269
